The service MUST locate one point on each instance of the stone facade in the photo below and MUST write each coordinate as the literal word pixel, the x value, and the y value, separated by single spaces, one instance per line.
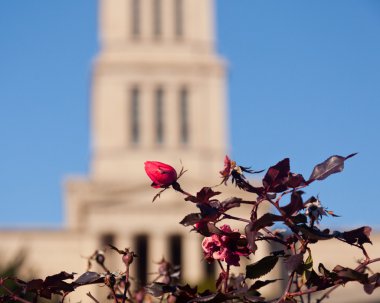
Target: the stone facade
pixel 158 93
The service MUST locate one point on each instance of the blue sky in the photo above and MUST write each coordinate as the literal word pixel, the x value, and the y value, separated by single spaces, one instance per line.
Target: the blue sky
pixel 304 83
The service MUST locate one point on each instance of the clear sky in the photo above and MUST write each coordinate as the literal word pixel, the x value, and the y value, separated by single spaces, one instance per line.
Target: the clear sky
pixel 304 83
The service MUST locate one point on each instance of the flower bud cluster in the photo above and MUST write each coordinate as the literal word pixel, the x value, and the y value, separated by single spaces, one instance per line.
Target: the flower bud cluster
pixel 227 247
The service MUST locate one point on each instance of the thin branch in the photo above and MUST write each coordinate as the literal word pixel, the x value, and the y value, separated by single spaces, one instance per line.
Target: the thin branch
pixel 289 222
pixel 64 296
pixel 14 296
pixel 221 266
pixel 126 284
pixel 287 288
pixel 227 216
pixel 92 297
pixel 226 278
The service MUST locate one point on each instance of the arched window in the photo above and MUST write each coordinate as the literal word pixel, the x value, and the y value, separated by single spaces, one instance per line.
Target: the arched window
pixel 134 115
pixel 178 18
pixel 159 104
pixel 184 115
pixel 135 18
pixel 157 19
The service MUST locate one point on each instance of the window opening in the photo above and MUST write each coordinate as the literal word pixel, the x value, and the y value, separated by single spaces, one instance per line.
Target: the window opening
pixel 157 26
pixel 178 18
pixel 135 18
pixel 134 115
pixel 141 244
pixel 159 115
pixel 184 119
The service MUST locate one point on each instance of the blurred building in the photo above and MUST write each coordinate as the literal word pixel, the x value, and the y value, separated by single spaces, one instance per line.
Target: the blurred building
pixel 158 93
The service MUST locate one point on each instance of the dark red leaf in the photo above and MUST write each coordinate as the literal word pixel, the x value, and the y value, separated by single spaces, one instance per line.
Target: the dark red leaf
pixel 212 229
pixel 35 284
pixel 251 236
pixel 357 236
pixel 208 212
pixel 293 262
pixel 373 283
pixel 323 270
pixel 317 282
pixel 261 267
pixel 55 285
pixel 295 205
pixel 191 219
pixel 258 284
pixel 51 280
pixel 295 180
pixel 89 277
pixel 203 196
pixel 266 220
pixel 252 229
pixel 277 177
pixel 157 289
pixel 314 234
pixel 348 274
pixel 332 165
pixel 231 203
pixel 300 218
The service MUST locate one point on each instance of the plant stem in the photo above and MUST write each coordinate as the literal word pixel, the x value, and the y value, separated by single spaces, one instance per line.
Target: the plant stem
pixel 126 284
pixel 221 266
pixel 92 297
pixel 178 188
pixel 227 216
pixel 287 288
pixel 14 296
pixel 226 279
pixel 289 222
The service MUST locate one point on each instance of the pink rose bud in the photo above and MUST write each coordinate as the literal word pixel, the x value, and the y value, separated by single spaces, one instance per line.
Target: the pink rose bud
pixel 162 175
pixel 128 258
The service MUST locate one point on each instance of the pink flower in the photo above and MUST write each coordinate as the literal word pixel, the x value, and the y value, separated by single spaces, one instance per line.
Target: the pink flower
pixel 162 175
pixel 227 247
pixel 226 172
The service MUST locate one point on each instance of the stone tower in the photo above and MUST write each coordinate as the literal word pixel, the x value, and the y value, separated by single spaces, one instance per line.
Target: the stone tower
pixel 158 89
pixel 158 93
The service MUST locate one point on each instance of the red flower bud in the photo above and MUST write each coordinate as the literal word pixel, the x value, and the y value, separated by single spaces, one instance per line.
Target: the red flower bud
pixel 162 175
pixel 128 258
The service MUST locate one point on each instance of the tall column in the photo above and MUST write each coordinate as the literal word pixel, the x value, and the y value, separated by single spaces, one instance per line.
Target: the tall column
pixel 157 249
pixel 192 267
